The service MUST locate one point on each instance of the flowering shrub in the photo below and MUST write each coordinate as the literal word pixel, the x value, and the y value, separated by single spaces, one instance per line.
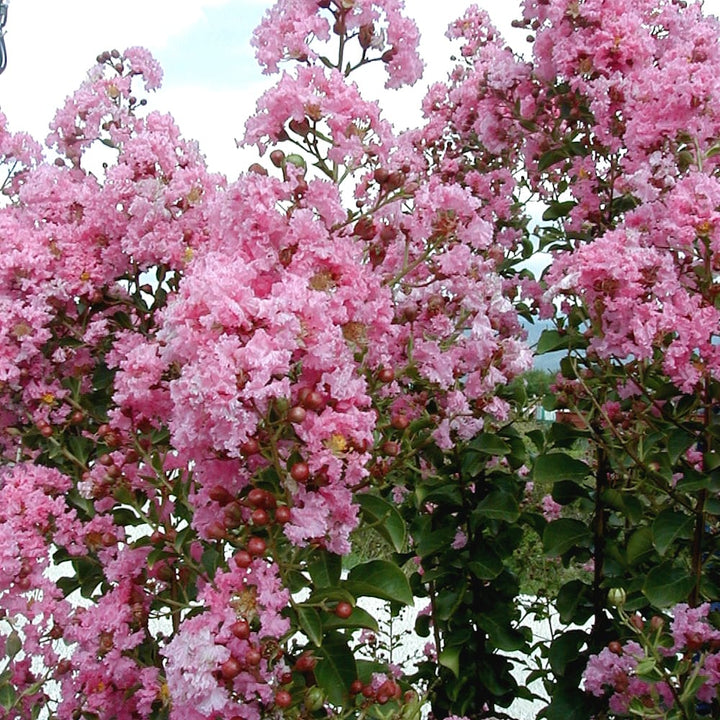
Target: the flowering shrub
pixel 661 673
pixel 209 385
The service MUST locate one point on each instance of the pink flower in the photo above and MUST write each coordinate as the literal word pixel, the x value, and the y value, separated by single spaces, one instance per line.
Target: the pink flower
pixel 551 509
pixel 690 629
pixel 459 541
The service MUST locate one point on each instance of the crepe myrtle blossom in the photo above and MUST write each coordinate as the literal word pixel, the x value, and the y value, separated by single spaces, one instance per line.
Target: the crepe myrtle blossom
pixel 617 670
pixel 201 376
pixel 214 662
pixel 290 31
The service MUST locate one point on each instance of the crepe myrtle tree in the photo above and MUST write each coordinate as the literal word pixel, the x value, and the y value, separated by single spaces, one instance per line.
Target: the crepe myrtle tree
pixel 209 385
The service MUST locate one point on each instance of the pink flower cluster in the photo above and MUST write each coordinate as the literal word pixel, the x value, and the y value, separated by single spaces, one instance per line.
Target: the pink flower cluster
pixel 290 29
pixel 225 661
pixel 616 670
pixel 198 376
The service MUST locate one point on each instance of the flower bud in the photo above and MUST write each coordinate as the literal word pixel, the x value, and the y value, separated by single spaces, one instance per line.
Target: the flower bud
pixel 314 698
pixel 365 36
pixel 616 597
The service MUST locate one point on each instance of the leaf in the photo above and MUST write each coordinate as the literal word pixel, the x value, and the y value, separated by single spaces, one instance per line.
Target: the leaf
pixel 7 696
pixel 330 595
pixel 381 579
pixel 445 494
pixel 565 649
pixel 711 460
pixel 210 560
pixel 552 340
pixel 325 569
pixel 450 658
pixel 679 441
pixel 499 505
pixel 565 534
pixel 501 633
pixel 670 526
pixel 557 210
pixel 574 602
pixel 80 447
pixel 692 481
pixel 568 703
pixel 558 466
pixel 336 669
pixel 429 541
pixel 566 491
pixel 13 644
pixel 385 518
pixel 549 158
pixel 490 444
pixel 447 601
pixel 67 585
pixel 310 623
pixel 486 565
pixel 639 545
pixel 358 619
pixel 471 463
pixel 367 668
pixel 667 585
pixel 296 581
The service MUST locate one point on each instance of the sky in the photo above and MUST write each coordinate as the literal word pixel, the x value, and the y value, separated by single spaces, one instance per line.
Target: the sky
pixel 212 81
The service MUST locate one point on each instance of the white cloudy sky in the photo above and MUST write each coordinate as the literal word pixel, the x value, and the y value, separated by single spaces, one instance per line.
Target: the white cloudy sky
pixel 211 80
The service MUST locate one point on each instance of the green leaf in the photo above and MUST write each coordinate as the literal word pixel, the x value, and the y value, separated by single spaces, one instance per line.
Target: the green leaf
pixel 566 491
pixel 429 541
pixel 639 545
pixel 445 494
pixel 13 644
pixel 447 601
pixel 692 481
pixel 381 579
pixel 385 518
pixel 667 585
pixel 490 444
pixel 670 526
pixel 538 438
pixel 486 565
pixel 568 703
pixel 565 649
pixel 335 669
pixel 296 581
pixel 210 561
pixel 358 619
pixel 183 538
pixel 549 158
pixel 711 460
pixel 450 658
pixel 558 466
pixel 330 595
pixel 501 633
pixel 558 210
pixel 565 534
pixel 80 447
pixel 156 555
pixel 499 505
pixel 678 443
pixel 7 696
pixel 471 463
pixel 310 623
pixel 67 585
pixel 325 569
pixel 552 340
